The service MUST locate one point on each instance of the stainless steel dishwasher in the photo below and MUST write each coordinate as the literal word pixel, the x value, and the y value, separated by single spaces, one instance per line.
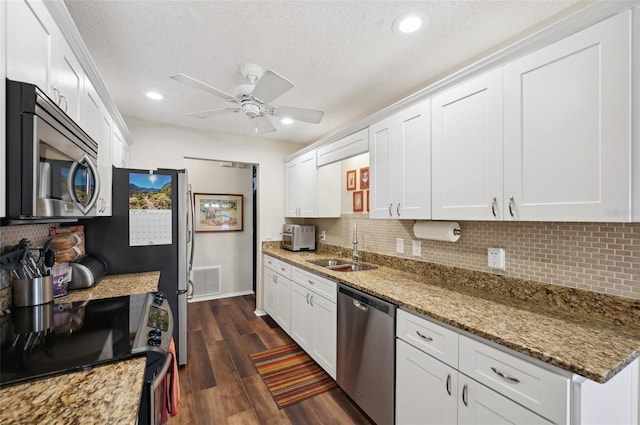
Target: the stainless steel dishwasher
pixel 366 352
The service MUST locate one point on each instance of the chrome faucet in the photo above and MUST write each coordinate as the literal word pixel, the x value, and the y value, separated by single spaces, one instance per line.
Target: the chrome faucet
pixel 355 254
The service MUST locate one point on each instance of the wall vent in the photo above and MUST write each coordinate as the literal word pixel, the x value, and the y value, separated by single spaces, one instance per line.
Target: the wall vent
pixel 206 281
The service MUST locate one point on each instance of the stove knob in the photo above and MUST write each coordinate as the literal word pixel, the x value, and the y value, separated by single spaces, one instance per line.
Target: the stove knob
pixel 158 298
pixel 155 333
pixel 154 341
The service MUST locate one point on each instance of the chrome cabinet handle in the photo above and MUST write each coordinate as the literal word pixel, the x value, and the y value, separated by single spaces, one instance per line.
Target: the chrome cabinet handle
pixel 425 337
pixel 307 298
pixel 511 203
pixel 56 93
pixel 66 102
pixel 390 213
pixel 505 376
pixel 448 385
pixel 398 209
pixel 275 278
pixel 311 300
pixel 311 282
pixel 282 268
pixel 465 396
pixel 493 207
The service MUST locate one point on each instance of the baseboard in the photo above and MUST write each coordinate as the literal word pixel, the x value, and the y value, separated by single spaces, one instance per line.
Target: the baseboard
pixel 260 313
pixel 219 296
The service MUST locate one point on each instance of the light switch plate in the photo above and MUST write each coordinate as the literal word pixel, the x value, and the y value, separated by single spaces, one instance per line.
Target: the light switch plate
pixel 416 248
pixel 400 246
pixel 496 258
pixel 323 235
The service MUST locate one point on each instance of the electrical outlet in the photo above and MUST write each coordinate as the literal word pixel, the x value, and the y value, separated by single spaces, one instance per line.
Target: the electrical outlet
pixel 496 258
pixel 323 235
pixel 400 246
pixel 416 248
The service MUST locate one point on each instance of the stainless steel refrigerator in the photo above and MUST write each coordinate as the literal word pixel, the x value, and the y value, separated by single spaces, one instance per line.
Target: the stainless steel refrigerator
pixel 151 228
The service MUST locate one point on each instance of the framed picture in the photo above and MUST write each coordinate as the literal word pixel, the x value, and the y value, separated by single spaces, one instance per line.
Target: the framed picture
pixel 364 178
pixel 367 201
pixel 218 212
pixel 358 202
pixel 351 180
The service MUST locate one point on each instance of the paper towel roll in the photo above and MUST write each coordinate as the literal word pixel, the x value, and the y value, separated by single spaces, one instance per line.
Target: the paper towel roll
pixel 447 231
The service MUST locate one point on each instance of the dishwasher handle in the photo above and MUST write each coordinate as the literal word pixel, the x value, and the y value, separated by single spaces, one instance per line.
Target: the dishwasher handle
pixel 365 301
pixel 360 305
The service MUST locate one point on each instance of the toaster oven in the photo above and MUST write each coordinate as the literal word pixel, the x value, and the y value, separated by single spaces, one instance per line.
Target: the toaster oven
pixel 297 237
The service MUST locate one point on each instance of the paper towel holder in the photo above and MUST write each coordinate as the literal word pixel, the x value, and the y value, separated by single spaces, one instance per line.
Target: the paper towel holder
pixel 446 231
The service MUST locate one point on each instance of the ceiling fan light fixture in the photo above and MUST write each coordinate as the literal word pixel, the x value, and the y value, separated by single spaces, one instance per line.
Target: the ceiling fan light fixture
pixel 154 95
pixel 410 23
pixel 286 120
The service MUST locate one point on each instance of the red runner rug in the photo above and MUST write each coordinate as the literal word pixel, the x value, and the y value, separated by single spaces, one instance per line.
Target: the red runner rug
pixel 291 375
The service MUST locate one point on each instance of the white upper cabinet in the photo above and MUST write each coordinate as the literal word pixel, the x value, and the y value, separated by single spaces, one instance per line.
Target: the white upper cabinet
pixel 311 191
pixel 116 147
pixel 301 180
pixel 467 150
pixel 31 43
pixel 69 80
pixel 567 128
pixel 347 147
pixel 400 158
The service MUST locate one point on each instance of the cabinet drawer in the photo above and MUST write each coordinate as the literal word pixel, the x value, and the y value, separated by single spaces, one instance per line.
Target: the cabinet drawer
pixel 428 336
pixel 278 266
pixel 320 285
pixel 534 387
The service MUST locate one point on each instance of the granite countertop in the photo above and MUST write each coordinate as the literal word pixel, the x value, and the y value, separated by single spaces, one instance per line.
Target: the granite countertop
pixel 589 334
pixel 105 394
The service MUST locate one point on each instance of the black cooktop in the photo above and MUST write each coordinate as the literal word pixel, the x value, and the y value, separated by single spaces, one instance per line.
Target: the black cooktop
pixel 54 338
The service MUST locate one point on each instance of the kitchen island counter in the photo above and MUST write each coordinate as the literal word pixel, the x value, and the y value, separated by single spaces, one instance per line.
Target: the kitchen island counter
pixel 592 335
pixel 107 393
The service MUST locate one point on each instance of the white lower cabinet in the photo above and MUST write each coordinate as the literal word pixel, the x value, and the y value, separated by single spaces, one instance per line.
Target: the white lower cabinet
pixel 314 316
pixel 277 294
pixel 482 383
pixel 305 306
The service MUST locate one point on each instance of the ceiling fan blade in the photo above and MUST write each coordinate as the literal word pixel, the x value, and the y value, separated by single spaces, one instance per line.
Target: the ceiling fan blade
pixel 213 112
pixel 271 86
pixel 299 114
pixel 202 86
pixel 264 125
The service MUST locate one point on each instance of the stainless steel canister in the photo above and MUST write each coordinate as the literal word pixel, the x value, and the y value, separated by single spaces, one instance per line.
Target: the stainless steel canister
pixel 35 291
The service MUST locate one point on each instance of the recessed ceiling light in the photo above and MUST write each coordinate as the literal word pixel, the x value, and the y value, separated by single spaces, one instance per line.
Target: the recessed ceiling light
pixel 286 120
pixel 154 95
pixel 409 23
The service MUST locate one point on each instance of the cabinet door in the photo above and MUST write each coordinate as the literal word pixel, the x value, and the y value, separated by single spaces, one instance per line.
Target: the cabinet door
pixel 283 294
pixel 567 128
pixel 478 404
pixel 467 150
pixel 68 77
pixel 426 389
pixel 411 177
pixel 325 333
pixel 270 292
pixel 105 165
pixel 400 162
pixel 292 188
pixel 308 185
pixel 301 317
pixel 31 34
pixel 116 147
pixel 380 136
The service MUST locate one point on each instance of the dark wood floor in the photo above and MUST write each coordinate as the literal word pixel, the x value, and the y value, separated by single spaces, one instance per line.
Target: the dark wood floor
pixel 220 385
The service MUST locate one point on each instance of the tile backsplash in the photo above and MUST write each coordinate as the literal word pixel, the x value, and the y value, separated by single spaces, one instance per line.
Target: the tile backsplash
pixel 11 235
pixel 600 257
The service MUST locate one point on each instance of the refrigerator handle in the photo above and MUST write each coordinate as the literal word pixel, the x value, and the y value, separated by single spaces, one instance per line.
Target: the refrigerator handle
pixel 191 231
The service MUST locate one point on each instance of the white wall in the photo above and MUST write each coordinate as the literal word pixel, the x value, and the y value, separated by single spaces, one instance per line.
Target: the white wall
pixel 354 163
pixel 162 146
pixel 232 251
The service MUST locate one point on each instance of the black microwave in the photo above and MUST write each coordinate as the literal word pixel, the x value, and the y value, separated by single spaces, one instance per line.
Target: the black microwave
pixel 51 162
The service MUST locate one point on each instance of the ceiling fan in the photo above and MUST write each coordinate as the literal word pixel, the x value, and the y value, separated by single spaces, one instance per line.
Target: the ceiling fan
pixel 254 99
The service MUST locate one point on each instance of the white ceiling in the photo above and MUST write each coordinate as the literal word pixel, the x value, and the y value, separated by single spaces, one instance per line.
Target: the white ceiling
pixel 342 55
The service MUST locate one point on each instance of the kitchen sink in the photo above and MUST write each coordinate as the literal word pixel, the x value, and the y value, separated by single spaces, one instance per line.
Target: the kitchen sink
pixel 342 266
